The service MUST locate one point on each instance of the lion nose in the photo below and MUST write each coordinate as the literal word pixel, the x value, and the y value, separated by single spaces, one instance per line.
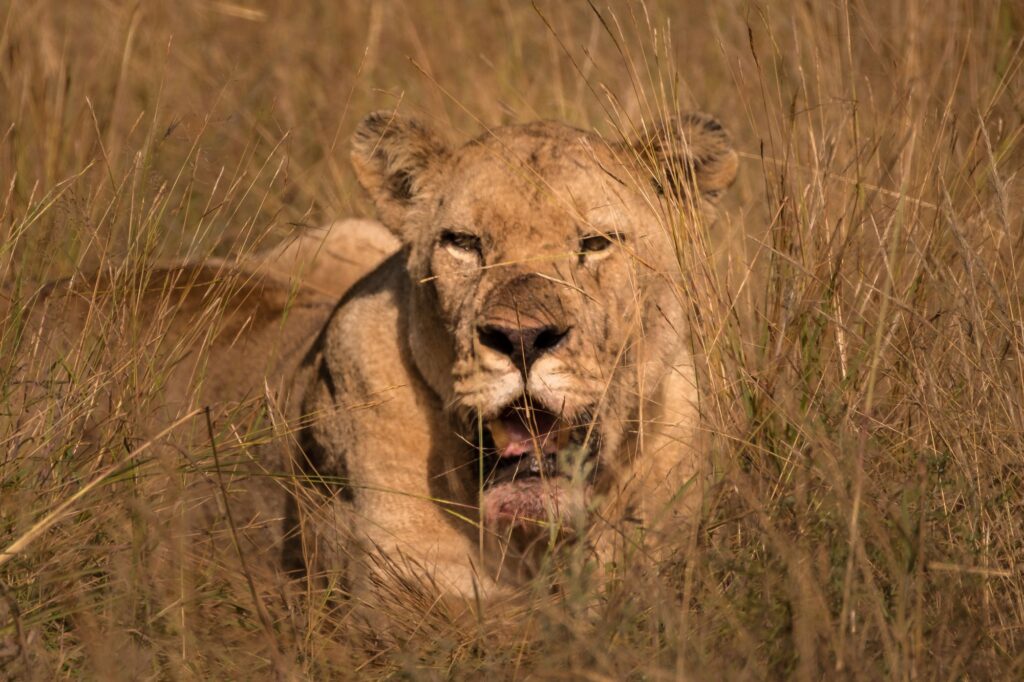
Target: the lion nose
pixel 522 344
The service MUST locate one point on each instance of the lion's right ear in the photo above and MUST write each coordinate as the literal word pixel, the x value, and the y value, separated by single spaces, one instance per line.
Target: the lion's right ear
pixel 394 159
pixel 688 152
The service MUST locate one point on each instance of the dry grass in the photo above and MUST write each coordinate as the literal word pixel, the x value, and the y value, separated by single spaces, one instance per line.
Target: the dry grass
pixel 857 316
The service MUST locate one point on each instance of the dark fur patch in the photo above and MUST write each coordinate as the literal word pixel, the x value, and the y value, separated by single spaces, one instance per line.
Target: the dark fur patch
pixel 311 460
pixel 679 174
pixel 400 185
pixel 323 373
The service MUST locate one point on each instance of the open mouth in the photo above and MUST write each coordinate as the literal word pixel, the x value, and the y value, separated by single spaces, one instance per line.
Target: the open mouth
pixel 527 442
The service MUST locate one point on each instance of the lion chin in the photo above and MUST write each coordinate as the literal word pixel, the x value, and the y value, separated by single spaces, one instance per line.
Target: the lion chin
pixel 537 466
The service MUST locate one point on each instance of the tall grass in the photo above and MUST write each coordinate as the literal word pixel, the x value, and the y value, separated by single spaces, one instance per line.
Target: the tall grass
pixel 856 316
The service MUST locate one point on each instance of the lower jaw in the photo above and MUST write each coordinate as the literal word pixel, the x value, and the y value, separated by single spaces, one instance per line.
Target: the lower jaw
pixel 531 503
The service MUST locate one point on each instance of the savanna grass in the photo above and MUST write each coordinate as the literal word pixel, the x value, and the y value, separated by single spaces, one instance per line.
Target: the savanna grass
pixel 855 314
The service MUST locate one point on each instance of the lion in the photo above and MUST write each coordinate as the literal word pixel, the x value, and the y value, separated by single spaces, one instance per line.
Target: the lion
pixel 509 370
pixel 518 371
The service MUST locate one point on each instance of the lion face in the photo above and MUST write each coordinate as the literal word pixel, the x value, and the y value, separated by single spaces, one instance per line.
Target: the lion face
pixel 543 290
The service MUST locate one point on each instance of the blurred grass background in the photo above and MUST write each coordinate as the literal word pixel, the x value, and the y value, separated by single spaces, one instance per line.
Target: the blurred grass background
pixel 856 313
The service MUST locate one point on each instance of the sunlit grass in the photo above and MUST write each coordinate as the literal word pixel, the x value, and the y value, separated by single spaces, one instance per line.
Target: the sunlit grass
pixel 855 316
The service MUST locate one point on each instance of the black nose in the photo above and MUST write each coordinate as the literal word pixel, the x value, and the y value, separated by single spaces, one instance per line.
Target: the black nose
pixel 522 344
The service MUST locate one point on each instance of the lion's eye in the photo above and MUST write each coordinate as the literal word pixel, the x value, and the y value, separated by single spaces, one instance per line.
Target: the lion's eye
pixel 599 242
pixel 461 244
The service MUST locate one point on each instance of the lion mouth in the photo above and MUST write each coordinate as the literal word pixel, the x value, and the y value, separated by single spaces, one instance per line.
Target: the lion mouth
pixel 529 456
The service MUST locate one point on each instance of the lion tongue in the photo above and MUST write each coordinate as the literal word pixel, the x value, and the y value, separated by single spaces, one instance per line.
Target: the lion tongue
pixel 515 436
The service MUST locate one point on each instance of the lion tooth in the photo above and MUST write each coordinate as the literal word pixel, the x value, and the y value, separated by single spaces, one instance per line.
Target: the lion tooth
pixel 499 434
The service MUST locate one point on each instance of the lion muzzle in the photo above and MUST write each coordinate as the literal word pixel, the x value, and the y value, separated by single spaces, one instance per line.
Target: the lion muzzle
pixel 524 318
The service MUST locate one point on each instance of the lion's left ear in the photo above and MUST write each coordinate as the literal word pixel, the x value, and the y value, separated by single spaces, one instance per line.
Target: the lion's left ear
pixel 394 157
pixel 691 151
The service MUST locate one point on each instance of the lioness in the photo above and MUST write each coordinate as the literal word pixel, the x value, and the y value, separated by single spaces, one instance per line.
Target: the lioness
pixel 518 371
pixel 514 373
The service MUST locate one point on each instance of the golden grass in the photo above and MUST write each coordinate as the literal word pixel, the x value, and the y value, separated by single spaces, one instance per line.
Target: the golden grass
pixel 856 316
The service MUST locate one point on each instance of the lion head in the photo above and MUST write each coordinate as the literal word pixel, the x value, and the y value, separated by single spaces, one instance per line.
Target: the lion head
pixel 546 293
